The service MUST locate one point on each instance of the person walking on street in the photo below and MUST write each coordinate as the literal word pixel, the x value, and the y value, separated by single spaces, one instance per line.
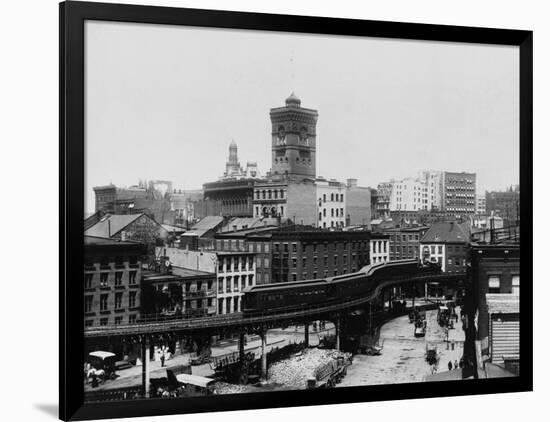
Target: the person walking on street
pixel 162 357
pixel 450 365
pixel 456 364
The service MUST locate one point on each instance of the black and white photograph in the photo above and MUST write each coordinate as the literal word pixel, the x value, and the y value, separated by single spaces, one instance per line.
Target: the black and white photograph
pixel 282 211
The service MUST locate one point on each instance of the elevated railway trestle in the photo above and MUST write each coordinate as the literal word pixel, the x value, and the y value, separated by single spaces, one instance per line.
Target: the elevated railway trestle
pixel 149 330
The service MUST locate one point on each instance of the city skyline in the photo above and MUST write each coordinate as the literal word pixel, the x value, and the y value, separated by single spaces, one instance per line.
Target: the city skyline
pixel 405 98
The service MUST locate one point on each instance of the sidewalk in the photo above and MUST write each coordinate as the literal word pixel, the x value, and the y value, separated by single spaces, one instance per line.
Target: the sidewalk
pixel 132 376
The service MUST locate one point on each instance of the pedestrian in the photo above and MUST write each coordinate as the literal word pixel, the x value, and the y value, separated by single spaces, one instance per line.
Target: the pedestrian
pixel 450 365
pixel 162 357
pixel 456 364
pixel 461 363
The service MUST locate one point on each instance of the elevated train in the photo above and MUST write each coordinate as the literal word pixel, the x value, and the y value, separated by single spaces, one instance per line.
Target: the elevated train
pixel 281 297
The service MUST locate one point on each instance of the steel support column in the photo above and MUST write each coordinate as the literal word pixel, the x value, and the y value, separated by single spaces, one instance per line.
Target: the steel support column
pixel 337 330
pixel 263 336
pixel 241 346
pixel 306 334
pixel 145 365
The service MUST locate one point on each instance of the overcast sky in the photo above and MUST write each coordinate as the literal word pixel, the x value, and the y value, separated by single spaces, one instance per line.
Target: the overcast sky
pixel 164 102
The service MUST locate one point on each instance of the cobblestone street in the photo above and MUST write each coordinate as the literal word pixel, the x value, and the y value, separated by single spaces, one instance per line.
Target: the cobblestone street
pixel 403 356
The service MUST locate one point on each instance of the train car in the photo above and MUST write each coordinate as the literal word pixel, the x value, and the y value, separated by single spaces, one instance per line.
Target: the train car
pixel 284 296
pixel 279 297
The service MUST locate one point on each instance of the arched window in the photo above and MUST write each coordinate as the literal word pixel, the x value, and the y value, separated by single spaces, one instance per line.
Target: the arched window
pixel 324 197
pixel 332 212
pixel 324 212
pixel 332 197
pixel 275 193
pixel 320 216
pixel 269 194
pixel 263 194
pixel 282 193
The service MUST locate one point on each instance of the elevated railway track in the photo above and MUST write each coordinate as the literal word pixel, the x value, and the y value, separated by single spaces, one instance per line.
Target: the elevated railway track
pixel 265 319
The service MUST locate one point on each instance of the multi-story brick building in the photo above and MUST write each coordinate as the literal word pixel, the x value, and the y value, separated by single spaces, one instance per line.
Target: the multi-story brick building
pixel 447 244
pixel 300 253
pixel 304 255
pixel 379 248
pixel 236 271
pixel 331 203
pixel 495 292
pixel 178 292
pixel 404 243
pixel 112 281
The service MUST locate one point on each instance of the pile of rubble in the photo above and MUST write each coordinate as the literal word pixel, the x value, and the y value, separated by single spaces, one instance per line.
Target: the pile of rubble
pixel 226 388
pixel 297 369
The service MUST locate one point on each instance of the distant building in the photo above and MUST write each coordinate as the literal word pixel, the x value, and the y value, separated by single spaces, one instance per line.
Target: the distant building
pixel 459 193
pixel 447 244
pixel 290 191
pixel 331 203
pixel 137 227
pixel 379 248
pixel 481 204
pixel 231 195
pixel 112 281
pixel 358 205
pixel 430 191
pixel 504 203
pixel 496 286
pixel 156 198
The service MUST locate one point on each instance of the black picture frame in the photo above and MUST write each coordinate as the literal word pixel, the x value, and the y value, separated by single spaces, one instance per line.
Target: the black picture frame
pixel 72 16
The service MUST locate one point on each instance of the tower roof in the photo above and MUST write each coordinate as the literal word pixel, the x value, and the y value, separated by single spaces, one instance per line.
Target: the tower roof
pixel 293 101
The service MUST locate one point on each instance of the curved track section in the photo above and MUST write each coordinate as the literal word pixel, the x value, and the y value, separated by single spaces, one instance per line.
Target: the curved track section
pixel 255 319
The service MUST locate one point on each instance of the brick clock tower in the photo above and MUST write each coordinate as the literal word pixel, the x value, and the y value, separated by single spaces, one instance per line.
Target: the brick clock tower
pixel 293 140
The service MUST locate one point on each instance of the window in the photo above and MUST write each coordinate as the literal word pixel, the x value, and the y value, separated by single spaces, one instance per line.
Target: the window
pixel 236 283
pixel 118 300
pixel 220 306
pixel 118 320
pixel 515 284
pixel 332 197
pixel 228 285
pixel 132 319
pixel 88 277
pixel 103 302
pixel 132 277
pixel 103 279
pixel 118 278
pixel 324 197
pixel 494 284
pixel 341 197
pixel 294 247
pixel 228 305
pixel 103 321
pixel 251 280
pixel 88 303
pixel 88 323
pixel 439 249
pixel 294 277
pixel 236 305
pixel 132 300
